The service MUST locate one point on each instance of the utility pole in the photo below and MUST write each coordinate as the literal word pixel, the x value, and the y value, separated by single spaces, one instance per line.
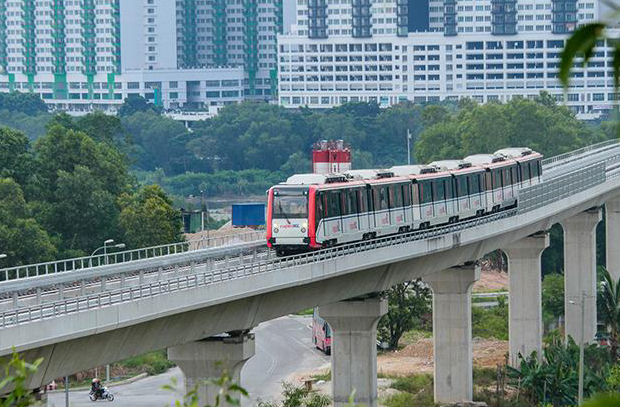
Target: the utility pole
pixel 583 312
pixel 408 147
pixel 66 391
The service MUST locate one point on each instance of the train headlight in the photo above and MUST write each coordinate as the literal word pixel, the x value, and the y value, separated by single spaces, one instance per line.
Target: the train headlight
pixel 304 227
pixel 276 230
pixel 303 230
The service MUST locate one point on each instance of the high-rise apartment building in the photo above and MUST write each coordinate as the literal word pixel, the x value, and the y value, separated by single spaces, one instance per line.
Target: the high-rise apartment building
pixel 78 54
pixel 431 50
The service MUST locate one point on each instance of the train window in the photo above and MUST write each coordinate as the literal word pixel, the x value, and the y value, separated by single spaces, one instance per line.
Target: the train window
pixel 383 198
pixel 352 206
pixel 320 207
pixel 406 191
pixel 362 200
pixel 439 190
pixel 474 183
pixel 513 171
pixel 497 178
pixel 415 189
pixel 461 185
pixel 489 180
pixel 396 196
pixel 426 194
pixel 333 204
pixel 535 169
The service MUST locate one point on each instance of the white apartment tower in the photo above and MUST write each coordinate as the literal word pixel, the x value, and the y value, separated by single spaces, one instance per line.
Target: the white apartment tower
pixel 389 51
pixel 78 54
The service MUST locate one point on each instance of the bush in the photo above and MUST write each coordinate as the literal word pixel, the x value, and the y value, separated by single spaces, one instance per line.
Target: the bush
pixel 418 391
pixel 403 400
pixel 491 322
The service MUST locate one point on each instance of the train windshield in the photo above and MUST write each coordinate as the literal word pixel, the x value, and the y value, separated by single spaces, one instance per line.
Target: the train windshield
pixel 290 203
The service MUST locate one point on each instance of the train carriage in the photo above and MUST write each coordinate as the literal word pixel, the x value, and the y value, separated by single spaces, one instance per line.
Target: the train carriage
pixel 311 211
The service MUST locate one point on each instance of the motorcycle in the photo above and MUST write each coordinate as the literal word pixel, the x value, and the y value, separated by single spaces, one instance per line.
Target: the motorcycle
pixel 105 395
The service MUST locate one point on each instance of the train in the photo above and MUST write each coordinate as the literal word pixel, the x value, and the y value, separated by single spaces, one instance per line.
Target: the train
pixel 315 211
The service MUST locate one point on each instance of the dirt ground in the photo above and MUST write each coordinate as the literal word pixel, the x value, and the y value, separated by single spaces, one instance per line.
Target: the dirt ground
pixel 418 357
pixel 491 280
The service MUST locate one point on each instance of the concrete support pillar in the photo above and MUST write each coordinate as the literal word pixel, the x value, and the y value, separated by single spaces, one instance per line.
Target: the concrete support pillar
pixel 354 349
pixel 612 230
pixel 580 273
pixel 525 306
pixel 208 359
pixel 452 332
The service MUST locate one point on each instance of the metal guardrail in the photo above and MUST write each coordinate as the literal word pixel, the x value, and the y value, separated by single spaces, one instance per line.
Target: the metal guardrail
pixel 41 269
pixel 530 199
pixel 534 198
pixel 561 187
pixel 566 156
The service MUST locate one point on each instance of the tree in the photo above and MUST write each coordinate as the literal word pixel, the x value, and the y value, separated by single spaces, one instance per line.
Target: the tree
pixel 136 103
pixel 147 218
pixel 15 158
pixel 16 373
pixel 28 103
pixel 408 306
pixel 101 127
pixel 553 296
pixel 609 300
pixel 21 238
pixel 554 379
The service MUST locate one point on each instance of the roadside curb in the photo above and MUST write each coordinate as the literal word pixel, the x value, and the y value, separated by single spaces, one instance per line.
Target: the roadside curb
pixel 113 384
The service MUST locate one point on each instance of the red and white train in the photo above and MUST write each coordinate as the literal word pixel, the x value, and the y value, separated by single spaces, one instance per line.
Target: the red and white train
pixel 313 211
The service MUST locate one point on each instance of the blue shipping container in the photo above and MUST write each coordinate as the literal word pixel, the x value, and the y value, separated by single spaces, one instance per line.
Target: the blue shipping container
pixel 248 214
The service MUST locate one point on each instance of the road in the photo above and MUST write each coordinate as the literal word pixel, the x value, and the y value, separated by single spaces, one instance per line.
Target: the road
pixel 283 347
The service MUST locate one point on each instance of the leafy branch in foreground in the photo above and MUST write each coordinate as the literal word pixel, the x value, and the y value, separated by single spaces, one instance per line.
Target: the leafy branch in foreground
pixel 229 393
pixel 16 371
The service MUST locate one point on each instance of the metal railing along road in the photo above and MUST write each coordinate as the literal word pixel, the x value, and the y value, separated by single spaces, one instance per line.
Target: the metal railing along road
pixel 566 157
pixel 41 269
pixel 554 190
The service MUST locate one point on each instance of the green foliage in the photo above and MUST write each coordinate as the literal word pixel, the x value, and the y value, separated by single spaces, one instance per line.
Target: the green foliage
pixel 417 391
pixel 15 158
pixel 409 307
pixel 22 239
pixel 153 363
pixel 553 296
pixel 229 393
pixel 134 104
pixel 147 218
pixel 609 309
pixel 27 103
pixel 33 126
pixel 555 378
pixel 613 380
pixel 491 322
pixel 539 124
pixel 16 372
pixel 604 400
pixel 294 396
pixel 582 43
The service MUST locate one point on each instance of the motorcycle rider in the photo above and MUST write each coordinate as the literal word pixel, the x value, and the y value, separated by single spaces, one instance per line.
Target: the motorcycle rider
pixel 97 388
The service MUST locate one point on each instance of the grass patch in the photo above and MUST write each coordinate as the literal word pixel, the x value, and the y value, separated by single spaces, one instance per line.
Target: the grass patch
pixel 326 377
pixel 491 322
pixel 484 376
pixel 152 363
pixel 413 336
pixel 403 400
pixel 308 311
pixel 417 390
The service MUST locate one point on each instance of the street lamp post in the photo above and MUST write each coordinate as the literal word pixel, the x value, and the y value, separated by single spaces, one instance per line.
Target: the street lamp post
pixel 581 346
pixel 408 147
pixel 105 256
pixel 105 250
pixel 2 256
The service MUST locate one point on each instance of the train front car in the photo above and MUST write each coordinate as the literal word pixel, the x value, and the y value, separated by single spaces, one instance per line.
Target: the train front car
pixel 291 214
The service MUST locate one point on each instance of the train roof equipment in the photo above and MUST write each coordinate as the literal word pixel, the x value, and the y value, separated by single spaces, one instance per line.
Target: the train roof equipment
pixel 368 174
pixel 314 179
pixel 447 165
pixel 514 152
pixel 483 159
pixel 405 170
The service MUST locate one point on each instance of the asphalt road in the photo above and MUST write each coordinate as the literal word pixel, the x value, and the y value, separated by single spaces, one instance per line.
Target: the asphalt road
pixel 283 348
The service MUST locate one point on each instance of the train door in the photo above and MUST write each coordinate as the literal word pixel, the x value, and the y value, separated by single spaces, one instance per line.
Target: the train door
pixel 498 187
pixel 462 193
pixel 477 193
pixel 351 214
pixel 382 208
pixel 439 201
pixel 333 221
pixel 416 204
pixel 425 193
pixel 395 200
pixel 489 191
pixel 406 190
pixel 451 202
